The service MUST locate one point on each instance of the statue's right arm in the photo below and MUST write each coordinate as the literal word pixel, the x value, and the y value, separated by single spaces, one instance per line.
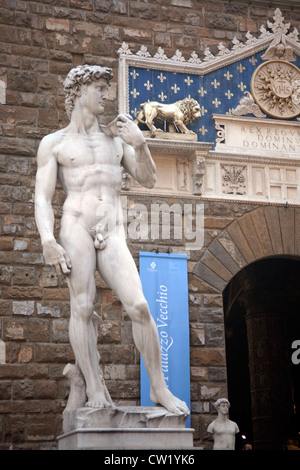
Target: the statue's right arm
pixel 46 177
pixel 44 189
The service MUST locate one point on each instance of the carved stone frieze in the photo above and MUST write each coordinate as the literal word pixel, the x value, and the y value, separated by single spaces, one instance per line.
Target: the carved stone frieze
pixel 252 180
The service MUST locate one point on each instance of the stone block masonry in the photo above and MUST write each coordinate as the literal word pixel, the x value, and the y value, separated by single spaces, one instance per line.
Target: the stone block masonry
pixel 39 43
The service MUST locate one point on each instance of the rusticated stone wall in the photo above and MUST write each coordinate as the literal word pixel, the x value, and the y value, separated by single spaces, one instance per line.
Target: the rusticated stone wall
pixel 39 44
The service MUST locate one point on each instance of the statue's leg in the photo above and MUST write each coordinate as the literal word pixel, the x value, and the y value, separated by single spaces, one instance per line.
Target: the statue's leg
pixel 80 248
pixel 119 271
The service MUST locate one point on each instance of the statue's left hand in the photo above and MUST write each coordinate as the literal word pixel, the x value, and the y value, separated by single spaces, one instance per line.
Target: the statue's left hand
pixel 129 131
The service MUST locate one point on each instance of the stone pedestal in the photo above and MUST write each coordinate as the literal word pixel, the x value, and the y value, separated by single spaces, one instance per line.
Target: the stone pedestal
pixel 124 428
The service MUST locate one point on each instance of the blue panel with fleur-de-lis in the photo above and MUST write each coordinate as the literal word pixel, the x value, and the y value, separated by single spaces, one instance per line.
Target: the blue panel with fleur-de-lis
pixel 217 92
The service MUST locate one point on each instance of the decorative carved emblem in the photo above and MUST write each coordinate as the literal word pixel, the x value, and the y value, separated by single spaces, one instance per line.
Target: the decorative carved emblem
pixel 274 87
pixel 220 133
pixel 199 170
pixel 234 181
pixel 279 49
pixel 247 105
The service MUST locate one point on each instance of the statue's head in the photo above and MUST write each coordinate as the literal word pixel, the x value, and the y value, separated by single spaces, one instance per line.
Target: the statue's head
pixel 221 401
pixel 79 76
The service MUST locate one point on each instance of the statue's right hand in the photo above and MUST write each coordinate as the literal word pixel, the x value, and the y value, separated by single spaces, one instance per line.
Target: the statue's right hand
pixel 55 255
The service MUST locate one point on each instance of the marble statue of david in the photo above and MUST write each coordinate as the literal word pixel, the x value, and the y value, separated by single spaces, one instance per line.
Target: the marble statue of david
pixel 87 159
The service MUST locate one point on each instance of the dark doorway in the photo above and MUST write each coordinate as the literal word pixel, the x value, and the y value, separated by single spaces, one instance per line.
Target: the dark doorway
pixel 262 320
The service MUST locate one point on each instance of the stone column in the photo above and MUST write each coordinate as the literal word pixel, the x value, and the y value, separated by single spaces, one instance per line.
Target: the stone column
pixel 270 382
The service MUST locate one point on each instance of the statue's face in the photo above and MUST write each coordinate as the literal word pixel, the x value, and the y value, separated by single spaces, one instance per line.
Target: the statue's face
pixel 224 408
pixel 94 95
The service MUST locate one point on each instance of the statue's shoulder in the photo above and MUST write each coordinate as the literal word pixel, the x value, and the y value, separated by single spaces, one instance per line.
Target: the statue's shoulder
pixel 211 426
pixel 54 137
pixel 50 141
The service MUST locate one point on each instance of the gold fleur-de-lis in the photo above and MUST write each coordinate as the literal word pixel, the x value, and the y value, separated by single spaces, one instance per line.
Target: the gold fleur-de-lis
pixel 216 102
pixel 135 93
pixel 188 80
pixel 134 112
pixel 203 110
pixel 215 83
pixel 242 86
pixel 134 74
pixel 175 88
pixel 162 96
pixel 228 75
pixel 202 91
pixel 241 68
pixel 203 130
pixel 161 77
pixel 229 94
pixel 253 60
pixel 148 85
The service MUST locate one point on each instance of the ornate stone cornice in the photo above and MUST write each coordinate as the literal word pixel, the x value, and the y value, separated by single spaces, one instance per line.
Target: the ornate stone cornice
pixel 277 32
pixel 237 158
pixel 183 148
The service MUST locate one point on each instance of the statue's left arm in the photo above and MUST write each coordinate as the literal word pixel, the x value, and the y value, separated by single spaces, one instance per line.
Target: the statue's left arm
pixel 137 159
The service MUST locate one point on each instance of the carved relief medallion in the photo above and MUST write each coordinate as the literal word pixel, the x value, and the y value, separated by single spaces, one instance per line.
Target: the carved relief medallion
pixel 275 86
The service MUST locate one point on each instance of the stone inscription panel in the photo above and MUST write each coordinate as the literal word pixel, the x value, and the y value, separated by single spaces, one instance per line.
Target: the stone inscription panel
pixel 258 137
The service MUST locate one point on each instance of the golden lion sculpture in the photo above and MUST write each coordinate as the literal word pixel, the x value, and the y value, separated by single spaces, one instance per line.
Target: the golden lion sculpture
pixel 177 115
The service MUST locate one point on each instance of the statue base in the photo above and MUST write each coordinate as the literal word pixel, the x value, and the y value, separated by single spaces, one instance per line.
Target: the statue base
pixel 125 427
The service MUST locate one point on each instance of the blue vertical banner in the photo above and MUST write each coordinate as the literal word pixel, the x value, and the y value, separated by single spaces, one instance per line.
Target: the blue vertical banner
pixel 165 286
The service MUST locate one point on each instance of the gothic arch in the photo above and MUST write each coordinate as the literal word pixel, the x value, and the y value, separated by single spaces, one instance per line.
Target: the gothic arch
pixel 267 231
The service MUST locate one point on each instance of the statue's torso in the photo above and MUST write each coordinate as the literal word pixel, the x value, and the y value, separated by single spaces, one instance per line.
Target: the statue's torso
pixel 224 434
pixel 90 173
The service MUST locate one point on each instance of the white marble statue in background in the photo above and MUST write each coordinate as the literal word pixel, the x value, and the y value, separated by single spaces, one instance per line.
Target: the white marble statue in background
pixel 222 429
pixel 87 159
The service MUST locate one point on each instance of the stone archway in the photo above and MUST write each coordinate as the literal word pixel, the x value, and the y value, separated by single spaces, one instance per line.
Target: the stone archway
pixel 266 233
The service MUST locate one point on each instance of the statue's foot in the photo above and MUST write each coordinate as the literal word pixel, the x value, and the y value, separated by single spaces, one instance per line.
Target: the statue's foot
pixel 98 400
pixel 165 398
